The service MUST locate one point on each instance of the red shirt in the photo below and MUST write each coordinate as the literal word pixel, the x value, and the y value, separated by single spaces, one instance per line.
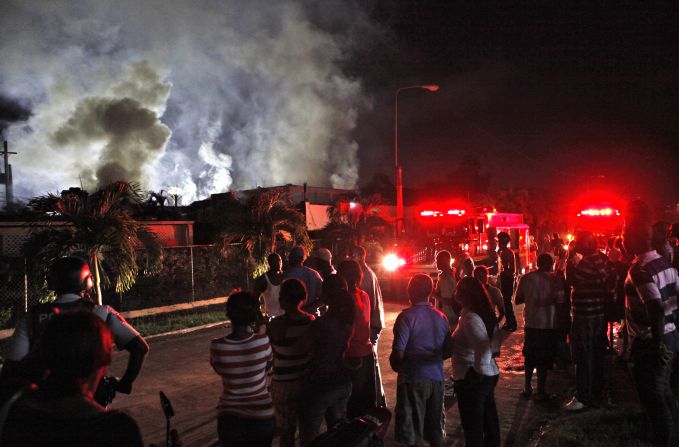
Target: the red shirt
pixel 360 345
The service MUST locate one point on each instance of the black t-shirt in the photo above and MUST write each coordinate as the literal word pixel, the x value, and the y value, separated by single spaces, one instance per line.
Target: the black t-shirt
pixel 28 426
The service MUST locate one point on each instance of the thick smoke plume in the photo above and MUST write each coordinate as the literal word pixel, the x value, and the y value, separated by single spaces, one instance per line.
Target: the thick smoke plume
pixel 11 112
pixel 205 96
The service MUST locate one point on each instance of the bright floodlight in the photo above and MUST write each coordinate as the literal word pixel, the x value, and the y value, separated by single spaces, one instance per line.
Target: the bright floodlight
pixel 431 88
pixel 391 262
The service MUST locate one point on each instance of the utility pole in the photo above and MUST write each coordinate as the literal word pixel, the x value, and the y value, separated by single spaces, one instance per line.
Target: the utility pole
pixel 6 176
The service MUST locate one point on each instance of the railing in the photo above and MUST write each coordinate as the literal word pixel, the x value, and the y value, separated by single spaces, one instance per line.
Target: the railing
pixel 188 274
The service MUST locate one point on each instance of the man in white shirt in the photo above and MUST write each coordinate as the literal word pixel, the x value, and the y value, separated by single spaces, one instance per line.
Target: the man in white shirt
pixel 540 293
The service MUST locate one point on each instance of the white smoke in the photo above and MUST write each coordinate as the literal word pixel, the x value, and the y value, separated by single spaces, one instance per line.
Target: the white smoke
pixel 201 95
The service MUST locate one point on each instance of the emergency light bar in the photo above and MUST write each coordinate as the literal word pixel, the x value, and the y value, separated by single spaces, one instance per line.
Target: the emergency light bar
pixel 451 212
pixel 599 212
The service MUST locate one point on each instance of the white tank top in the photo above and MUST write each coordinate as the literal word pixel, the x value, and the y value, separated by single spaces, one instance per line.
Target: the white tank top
pixel 272 306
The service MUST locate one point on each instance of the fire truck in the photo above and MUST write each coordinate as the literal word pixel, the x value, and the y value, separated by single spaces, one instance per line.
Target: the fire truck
pixel 603 219
pixel 464 233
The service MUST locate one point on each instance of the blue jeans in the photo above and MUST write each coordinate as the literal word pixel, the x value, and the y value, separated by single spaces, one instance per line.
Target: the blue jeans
pixel 652 381
pixel 318 402
pixel 589 343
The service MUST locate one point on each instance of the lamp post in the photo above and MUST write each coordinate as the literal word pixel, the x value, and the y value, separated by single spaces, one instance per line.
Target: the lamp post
pixel 397 166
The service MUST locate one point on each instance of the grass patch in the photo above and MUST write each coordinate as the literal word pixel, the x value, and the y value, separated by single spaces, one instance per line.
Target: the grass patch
pixel 158 324
pixel 161 323
pixel 596 428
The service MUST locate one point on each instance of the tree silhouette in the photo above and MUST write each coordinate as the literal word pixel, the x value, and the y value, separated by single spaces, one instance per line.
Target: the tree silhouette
pixel 101 228
pixel 261 222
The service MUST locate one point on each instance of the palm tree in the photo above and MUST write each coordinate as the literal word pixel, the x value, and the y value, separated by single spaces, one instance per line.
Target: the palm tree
pixel 101 228
pixel 353 217
pixel 261 222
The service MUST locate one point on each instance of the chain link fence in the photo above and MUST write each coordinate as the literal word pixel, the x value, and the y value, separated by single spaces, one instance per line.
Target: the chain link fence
pixel 188 274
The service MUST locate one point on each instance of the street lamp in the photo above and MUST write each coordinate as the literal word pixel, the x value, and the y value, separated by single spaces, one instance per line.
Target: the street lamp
pixel 397 166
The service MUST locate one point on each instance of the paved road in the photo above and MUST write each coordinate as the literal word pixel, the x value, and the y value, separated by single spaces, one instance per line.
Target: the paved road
pixel 178 365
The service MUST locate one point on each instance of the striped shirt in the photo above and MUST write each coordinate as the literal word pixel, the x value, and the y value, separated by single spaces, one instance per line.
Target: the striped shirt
pixel 242 365
pixel 589 281
pixel 650 277
pixel 291 344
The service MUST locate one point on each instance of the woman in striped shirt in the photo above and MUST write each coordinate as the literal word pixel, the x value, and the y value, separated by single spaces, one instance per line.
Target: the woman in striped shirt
pixel 245 415
pixel 290 340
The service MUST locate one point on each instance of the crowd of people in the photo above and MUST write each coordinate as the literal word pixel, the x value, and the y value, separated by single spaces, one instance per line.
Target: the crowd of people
pixel 301 350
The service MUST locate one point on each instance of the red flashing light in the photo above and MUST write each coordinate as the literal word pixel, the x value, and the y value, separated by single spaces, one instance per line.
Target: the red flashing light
pixel 599 212
pixel 456 212
pixel 450 212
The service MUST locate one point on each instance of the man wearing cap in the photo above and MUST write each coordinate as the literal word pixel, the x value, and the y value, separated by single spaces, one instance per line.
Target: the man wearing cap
pixel 321 261
pixel 311 278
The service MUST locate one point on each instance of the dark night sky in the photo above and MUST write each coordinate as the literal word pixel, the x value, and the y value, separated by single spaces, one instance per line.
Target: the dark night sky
pixel 543 96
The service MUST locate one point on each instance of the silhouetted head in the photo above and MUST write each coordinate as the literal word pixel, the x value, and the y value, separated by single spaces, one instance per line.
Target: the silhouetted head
pixel 545 262
pixel 358 254
pixel 69 275
pixel 503 238
pixel 292 294
pixel 637 236
pixel 467 267
pixel 470 290
pixel 331 284
pixel 474 297
pixel 275 262
pixel 481 273
pixel 242 308
pixel 585 243
pixel 323 254
pixel 297 255
pixel 351 272
pixel 444 260
pixel 420 287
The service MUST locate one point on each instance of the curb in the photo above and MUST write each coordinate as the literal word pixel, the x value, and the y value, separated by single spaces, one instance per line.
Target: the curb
pixel 188 330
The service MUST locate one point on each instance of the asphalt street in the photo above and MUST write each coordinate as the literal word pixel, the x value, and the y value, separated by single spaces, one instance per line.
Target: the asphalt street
pixel 179 366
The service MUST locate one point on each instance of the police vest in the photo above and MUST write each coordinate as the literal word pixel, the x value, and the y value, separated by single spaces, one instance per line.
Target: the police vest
pixel 42 313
